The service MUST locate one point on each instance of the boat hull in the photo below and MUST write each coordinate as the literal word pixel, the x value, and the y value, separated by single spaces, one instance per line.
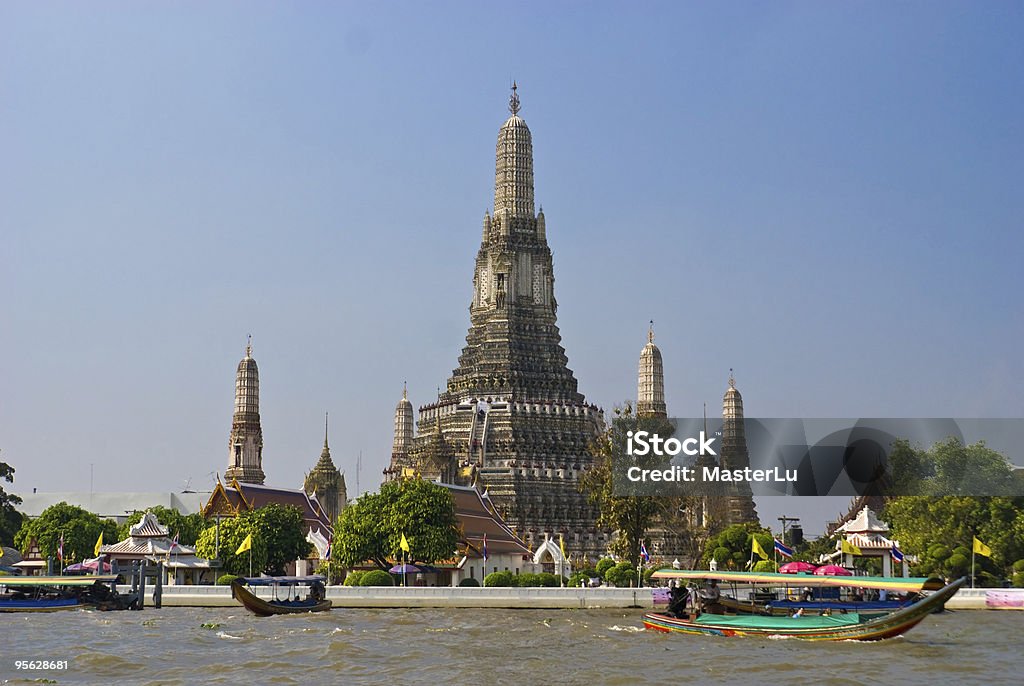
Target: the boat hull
pixel 37 605
pixel 265 608
pixel 807 628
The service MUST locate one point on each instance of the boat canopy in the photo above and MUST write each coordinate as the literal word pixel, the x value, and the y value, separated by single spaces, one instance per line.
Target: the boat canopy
pixel 56 580
pixel 788 623
pixel 902 584
pixel 282 580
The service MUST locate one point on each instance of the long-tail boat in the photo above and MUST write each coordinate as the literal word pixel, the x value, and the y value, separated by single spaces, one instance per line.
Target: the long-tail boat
pixel 902 592
pixel 313 602
pixel 831 627
pixel 52 593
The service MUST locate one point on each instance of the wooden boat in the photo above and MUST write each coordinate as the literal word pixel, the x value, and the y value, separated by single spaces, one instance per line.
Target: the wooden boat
pixel 903 591
pixel 313 602
pixel 835 627
pixel 53 593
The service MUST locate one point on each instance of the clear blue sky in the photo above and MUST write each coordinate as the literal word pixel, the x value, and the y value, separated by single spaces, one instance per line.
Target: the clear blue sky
pixel 824 196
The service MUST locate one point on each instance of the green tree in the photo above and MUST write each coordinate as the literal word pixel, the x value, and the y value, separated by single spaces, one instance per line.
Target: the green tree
pixel 372 528
pixel 10 518
pixel 80 528
pixel 277 538
pixel 622 575
pixel 186 527
pixel 951 468
pixel 731 548
pixel 630 515
pixel 940 531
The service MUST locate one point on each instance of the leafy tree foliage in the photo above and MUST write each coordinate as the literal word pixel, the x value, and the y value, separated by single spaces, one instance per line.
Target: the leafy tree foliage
pixel 622 575
pixel 80 528
pixel 503 579
pixel 186 527
pixel 951 468
pixel 940 532
pixel 630 516
pixel 353 578
pixel 731 548
pixel 372 528
pixel 277 539
pixel 10 518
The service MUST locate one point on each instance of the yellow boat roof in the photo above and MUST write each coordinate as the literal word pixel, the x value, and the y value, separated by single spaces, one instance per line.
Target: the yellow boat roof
pixel 55 580
pixel 893 583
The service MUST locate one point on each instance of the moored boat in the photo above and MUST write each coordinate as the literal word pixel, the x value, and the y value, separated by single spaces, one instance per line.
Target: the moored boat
pixel 53 593
pixel 313 602
pixel 834 627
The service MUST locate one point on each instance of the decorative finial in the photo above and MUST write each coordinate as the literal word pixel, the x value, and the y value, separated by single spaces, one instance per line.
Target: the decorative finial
pixel 325 428
pixel 513 101
pixel 248 347
pixel 732 381
pixel 650 333
pixel 405 391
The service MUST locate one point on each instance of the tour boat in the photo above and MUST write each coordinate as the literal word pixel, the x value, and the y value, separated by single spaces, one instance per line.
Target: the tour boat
pixel 313 602
pixel 836 626
pixel 52 593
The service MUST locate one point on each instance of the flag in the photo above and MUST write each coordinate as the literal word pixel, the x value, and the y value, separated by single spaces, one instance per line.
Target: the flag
pixel 246 545
pixel 756 548
pixel 99 544
pixel 327 555
pixel 174 543
pixel 561 546
pixel 485 547
pixel 981 548
pixel 60 548
pixel 643 553
pixel 897 554
pixel 783 549
pixel 848 547
pixel 404 544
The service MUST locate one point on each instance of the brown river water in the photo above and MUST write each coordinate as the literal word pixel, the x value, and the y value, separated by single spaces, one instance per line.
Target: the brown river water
pixel 228 646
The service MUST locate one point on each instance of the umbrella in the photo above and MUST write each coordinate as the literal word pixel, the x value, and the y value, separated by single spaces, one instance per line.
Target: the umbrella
pixel 405 569
pixel 832 570
pixel 797 566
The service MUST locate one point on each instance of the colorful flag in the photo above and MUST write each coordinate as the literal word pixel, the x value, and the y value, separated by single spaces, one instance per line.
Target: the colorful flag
pixel 757 549
pixel 783 549
pixel 174 543
pixel 99 544
pixel 60 548
pixel 981 548
pixel 897 554
pixel 245 545
pixel 847 547
pixel 561 546
pixel 327 555
pixel 404 544
pixel 485 547
pixel 643 553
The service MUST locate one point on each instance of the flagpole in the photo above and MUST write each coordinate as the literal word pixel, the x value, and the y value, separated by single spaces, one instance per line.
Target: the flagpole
pixel 972 563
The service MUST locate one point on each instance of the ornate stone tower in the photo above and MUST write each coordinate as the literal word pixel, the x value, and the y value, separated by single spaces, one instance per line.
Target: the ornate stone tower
pixel 650 391
pixel 245 445
pixel 739 506
pixel 404 428
pixel 327 483
pixel 510 417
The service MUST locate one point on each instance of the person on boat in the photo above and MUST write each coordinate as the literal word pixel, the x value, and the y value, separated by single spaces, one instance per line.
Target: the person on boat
pixel 710 596
pixel 678 598
pixel 316 591
pixel 799 613
pixel 808 595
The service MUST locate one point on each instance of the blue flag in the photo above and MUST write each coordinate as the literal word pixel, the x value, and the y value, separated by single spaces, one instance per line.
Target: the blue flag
pixel 783 549
pixel 643 553
pixel 897 554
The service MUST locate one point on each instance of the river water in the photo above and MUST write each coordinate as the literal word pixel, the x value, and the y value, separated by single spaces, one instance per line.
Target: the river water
pixel 228 646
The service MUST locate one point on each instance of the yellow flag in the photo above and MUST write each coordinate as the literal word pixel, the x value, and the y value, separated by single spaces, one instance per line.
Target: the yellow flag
pixel 982 549
pixel 561 544
pixel 99 544
pixel 246 545
pixel 404 544
pixel 848 547
pixel 756 548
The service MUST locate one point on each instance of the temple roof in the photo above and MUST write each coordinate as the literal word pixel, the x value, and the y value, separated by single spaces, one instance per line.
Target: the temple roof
pixel 242 497
pixel 866 521
pixel 477 517
pixel 148 525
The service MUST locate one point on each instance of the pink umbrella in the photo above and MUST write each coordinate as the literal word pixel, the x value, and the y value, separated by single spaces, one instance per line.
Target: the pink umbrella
pixel 797 566
pixel 832 570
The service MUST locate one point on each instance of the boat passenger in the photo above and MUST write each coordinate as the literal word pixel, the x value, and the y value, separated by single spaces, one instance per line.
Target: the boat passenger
pixel 799 613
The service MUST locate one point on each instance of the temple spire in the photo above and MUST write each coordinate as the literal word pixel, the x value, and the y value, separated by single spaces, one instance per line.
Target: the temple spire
pixel 513 176
pixel 513 100
pixel 650 393
pixel 245 443
pixel 325 430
